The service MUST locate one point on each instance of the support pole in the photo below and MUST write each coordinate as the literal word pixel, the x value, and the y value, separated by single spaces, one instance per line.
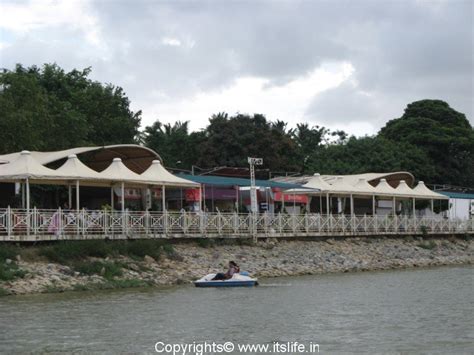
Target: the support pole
pixel 414 208
pixel 123 197
pixel 321 204
pixel 77 197
pixel 352 205
pixel 200 198
pixel 294 204
pixel 69 191
pixel 28 206
pixel 23 193
pixel 112 197
pixel 432 207
pixel 393 206
pixel 373 205
pixel 282 202
pixel 27 195
pixel 163 198
pixel 327 204
pixel 204 197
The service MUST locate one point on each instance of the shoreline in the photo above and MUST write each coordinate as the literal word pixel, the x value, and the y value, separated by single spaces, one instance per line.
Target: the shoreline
pixel 184 262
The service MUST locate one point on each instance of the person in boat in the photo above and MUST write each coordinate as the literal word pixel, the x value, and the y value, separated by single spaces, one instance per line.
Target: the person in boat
pixel 233 269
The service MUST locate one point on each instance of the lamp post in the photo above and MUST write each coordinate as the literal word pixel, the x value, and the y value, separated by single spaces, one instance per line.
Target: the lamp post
pixel 253 192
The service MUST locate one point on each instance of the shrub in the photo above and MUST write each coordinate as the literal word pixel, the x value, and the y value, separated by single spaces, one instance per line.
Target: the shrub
pixel 427 245
pixel 10 272
pixel 205 243
pixel 111 269
pixel 8 251
pixel 64 252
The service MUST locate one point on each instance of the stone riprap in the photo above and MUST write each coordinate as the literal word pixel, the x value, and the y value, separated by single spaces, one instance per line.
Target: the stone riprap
pixel 270 258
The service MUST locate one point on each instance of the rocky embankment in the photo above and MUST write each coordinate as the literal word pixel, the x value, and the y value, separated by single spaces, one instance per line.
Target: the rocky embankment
pixel 270 258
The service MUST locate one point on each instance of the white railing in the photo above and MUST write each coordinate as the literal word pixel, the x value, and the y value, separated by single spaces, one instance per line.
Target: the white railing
pixel 40 224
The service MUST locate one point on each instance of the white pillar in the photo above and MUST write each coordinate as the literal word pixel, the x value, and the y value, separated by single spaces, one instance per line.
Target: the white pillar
pixel 28 206
pixel 112 197
pixel 163 198
pixel 393 206
pixel 321 204
pixel 414 208
pixel 432 207
pixel 123 197
pixel 200 198
pixel 352 205
pixel 294 204
pixel 69 190
pixel 373 205
pixel 78 206
pixel 27 195
pixel 23 194
pixel 327 204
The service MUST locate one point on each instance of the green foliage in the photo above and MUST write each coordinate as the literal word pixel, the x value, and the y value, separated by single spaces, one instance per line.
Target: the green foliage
pixel 8 251
pixel 427 245
pixel 67 251
pixel 175 144
pixel 3 292
pixel 49 109
pixel 443 134
pixel 205 243
pixel 106 269
pixel 10 272
pixel 369 154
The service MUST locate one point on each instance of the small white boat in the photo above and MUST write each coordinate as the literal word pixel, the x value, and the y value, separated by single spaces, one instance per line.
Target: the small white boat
pixel 238 280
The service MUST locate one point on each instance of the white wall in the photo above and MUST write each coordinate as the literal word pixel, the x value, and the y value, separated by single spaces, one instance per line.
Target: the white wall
pixel 460 208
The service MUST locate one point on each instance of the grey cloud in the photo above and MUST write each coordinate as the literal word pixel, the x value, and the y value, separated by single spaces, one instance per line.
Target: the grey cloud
pixel 401 51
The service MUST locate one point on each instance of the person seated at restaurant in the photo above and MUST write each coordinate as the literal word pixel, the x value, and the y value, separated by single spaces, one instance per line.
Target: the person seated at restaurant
pixel 233 269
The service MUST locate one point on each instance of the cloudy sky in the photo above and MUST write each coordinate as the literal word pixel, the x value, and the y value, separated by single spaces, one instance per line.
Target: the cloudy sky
pixel 348 65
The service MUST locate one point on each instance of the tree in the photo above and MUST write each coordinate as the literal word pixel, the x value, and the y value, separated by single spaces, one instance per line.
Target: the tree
pixel 176 146
pixel 49 109
pixel 443 134
pixel 370 154
pixel 230 140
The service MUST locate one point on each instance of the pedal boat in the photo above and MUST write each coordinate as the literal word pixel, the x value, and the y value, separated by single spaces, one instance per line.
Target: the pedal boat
pixel 238 280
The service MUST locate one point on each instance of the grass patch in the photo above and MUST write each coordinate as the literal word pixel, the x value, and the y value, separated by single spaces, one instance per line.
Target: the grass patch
pixel 3 292
pixel 427 245
pixel 10 272
pixel 107 269
pixel 68 251
pixel 8 251
pixel 64 252
pixel 205 243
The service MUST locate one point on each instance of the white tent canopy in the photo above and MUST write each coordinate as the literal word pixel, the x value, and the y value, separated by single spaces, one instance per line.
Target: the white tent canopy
pixel 425 193
pixel 383 188
pixel 403 190
pixel 26 167
pixel 158 175
pixel 364 186
pixel 75 168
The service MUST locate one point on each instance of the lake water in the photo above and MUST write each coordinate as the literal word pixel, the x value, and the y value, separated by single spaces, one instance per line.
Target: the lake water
pixel 409 311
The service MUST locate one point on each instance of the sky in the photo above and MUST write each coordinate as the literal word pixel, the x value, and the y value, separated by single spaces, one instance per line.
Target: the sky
pixel 350 65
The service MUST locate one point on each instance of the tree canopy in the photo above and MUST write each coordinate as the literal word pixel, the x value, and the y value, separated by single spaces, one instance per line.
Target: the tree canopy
pixel 49 109
pixel 443 134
